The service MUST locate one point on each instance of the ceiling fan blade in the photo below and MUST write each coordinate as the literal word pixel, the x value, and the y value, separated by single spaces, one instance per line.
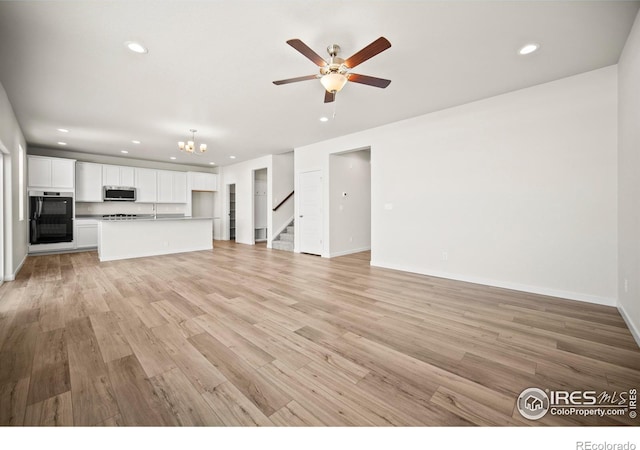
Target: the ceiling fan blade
pixel 371 50
pixel 329 96
pixel 371 81
pixel 295 80
pixel 306 51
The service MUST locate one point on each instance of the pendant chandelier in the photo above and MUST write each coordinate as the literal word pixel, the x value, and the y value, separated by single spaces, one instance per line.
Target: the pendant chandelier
pixel 190 146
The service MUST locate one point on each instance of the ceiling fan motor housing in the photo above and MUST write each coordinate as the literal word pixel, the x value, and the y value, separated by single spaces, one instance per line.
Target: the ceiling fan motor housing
pixel 335 64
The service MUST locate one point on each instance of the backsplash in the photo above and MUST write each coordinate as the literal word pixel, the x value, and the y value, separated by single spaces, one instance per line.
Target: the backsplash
pixel 84 209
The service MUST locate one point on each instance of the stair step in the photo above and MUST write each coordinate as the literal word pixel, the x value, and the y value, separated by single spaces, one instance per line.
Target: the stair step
pixel 286 237
pixel 282 245
pixel 291 229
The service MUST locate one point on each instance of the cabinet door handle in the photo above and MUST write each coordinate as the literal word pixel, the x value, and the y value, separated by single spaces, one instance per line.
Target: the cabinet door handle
pixel 301 216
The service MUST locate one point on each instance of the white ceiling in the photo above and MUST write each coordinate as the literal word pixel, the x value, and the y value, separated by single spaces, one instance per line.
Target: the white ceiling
pixel 211 65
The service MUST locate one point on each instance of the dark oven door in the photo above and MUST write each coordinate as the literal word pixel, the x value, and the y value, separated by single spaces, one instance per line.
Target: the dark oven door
pixel 50 219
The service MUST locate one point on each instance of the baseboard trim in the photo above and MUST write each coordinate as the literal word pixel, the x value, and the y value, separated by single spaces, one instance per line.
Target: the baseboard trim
pixel 12 277
pixel 568 295
pixel 349 252
pixel 635 332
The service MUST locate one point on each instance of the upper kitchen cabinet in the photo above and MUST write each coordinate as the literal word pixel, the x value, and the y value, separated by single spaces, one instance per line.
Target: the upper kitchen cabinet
pixel 50 173
pixel 88 182
pixel 118 175
pixel 146 183
pixel 172 187
pixel 200 181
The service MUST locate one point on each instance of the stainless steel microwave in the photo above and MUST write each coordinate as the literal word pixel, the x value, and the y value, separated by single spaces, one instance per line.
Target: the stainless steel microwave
pixel 119 194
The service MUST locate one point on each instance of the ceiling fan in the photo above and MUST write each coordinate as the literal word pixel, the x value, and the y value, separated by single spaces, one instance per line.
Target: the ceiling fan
pixel 335 72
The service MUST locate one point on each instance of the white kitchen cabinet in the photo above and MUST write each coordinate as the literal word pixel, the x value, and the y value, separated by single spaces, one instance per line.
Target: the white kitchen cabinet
pixel 172 186
pixel 165 186
pixel 50 173
pixel 86 233
pixel 179 187
pixel 200 181
pixel 146 183
pixel 118 175
pixel 88 182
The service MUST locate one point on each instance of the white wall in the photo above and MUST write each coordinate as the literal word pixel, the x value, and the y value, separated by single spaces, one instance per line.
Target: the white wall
pixel 15 231
pixel 350 215
pixel 282 185
pixel 241 175
pixel 518 190
pixel 629 180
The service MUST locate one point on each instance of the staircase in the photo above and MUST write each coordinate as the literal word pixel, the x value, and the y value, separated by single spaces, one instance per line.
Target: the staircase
pixel 284 241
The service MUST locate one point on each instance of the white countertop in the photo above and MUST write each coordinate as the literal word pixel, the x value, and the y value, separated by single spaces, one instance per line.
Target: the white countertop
pixel 145 218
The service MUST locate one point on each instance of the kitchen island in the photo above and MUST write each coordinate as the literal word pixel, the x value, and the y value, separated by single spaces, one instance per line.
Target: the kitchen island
pixel 151 236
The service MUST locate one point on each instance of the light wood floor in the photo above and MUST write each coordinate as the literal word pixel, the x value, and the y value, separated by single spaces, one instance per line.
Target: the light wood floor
pixel 249 336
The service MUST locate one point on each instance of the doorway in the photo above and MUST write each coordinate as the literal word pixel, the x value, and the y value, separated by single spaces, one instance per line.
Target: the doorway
pixel 231 189
pixel 349 202
pixel 260 230
pixel 310 214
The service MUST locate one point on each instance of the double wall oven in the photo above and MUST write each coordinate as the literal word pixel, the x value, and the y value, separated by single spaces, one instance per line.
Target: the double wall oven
pixel 50 220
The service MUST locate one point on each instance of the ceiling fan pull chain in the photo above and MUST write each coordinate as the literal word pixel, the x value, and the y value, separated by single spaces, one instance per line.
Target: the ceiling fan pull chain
pixel 335 102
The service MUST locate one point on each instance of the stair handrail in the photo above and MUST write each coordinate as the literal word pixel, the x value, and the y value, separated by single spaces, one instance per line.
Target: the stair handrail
pixel 282 202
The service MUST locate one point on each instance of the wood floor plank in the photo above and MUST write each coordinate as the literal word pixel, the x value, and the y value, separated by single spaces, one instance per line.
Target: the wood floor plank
pixel 204 376
pixel 52 313
pixel 152 356
pixel 182 400
pixel 233 408
pixel 326 408
pixel 55 411
pixel 294 415
pixel 13 401
pixel 112 343
pixel 148 315
pixel 137 402
pixel 253 354
pixel 17 352
pixel 93 397
pixel 267 397
pixel 314 351
pixel 467 408
pixel 50 373
pixel 377 410
pixel 266 342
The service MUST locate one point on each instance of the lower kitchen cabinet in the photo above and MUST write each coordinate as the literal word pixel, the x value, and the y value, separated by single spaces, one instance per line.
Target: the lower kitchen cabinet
pixel 86 233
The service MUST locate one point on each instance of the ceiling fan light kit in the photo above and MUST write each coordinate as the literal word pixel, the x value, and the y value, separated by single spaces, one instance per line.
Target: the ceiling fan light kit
pixel 335 72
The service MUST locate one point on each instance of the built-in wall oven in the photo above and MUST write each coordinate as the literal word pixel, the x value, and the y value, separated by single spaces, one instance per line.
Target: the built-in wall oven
pixel 50 220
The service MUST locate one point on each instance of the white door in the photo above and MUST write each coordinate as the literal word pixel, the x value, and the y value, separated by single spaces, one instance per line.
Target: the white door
pixel 310 215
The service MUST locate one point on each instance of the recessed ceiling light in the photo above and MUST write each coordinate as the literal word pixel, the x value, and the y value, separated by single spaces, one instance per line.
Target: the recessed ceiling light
pixel 124 151
pixel 212 163
pixel 136 47
pixel 62 143
pixel 324 119
pixel 172 157
pixel 528 49
pixel 135 142
pixel 63 130
pixel 232 157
